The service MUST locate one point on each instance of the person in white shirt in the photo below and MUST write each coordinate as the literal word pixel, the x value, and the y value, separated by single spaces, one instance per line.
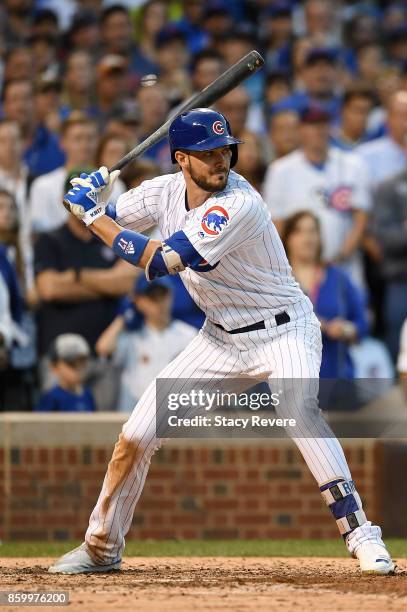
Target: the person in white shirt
pixel 402 358
pixel 142 354
pixel 79 141
pixel 14 180
pixel 387 156
pixel 333 184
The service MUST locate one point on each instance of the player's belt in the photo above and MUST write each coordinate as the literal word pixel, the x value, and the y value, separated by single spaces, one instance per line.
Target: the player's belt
pixel 281 318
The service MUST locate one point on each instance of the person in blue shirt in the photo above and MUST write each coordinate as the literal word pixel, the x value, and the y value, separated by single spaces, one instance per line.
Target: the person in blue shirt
pixel 69 359
pixel 337 302
pixel 319 79
pixel 357 104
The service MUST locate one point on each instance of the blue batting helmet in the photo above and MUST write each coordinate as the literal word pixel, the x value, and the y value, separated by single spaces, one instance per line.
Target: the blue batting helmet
pixel 201 129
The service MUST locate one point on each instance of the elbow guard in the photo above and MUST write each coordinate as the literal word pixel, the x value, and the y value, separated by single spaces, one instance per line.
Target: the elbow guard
pixel 164 261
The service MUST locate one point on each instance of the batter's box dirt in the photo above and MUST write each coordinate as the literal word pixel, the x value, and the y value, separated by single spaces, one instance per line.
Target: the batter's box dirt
pixel 234 584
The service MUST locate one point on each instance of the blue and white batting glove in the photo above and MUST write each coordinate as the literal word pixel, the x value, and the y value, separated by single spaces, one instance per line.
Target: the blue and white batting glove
pixel 90 194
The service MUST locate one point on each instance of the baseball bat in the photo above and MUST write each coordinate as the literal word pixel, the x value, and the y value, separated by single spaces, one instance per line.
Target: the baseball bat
pixel 248 65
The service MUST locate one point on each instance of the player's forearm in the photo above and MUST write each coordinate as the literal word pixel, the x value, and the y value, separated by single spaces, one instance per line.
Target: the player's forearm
pixel 354 238
pixel 108 230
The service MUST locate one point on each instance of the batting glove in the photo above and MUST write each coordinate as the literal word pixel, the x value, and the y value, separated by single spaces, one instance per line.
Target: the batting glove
pixel 90 194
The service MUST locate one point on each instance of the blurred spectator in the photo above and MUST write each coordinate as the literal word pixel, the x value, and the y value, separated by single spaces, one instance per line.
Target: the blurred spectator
pixel 277 34
pixel 78 141
pixel 84 33
pixel 390 229
pixel 233 46
pixel 66 304
pixel 363 28
pixel 14 175
pixel 111 86
pixel 17 21
pixel 110 149
pixel 10 239
pixel 218 24
pixel 337 302
pixel 357 103
pixel 387 156
pixel 78 281
pixel 42 152
pixel 320 23
pixel 69 356
pixel 251 163
pixel 11 266
pixel 116 35
pixel 331 183
pixel 142 170
pixel 172 59
pixel 124 126
pixel 206 66
pixel 402 358
pixel 143 354
pixel 78 83
pixel 43 51
pixel 277 87
pixel 18 64
pixel 235 106
pixel 397 44
pixel 45 23
pixel 151 20
pixel 47 103
pixel 153 107
pixel 16 375
pixel 283 132
pixel 369 62
pixel 318 82
pixel 191 25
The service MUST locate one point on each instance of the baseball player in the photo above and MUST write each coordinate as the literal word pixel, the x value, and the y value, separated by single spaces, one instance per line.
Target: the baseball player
pixel 218 235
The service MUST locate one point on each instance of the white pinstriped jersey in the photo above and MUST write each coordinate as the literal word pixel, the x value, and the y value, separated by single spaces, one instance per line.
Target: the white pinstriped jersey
pixel 250 279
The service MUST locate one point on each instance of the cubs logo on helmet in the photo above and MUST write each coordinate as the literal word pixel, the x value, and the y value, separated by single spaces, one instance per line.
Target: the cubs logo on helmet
pixel 218 128
pixel 214 220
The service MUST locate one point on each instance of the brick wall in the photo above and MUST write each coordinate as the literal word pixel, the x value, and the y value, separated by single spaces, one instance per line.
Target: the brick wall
pixel 195 489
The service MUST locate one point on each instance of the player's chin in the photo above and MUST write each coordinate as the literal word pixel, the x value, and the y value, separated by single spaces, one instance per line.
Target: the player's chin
pixel 219 180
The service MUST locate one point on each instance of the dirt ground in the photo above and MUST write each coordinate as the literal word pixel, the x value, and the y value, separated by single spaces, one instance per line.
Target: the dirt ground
pixel 231 584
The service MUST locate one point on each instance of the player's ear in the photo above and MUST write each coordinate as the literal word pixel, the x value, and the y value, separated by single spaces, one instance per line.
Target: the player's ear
pixel 181 158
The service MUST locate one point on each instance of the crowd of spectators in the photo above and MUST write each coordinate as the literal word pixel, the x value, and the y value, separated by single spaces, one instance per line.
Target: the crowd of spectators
pixel 324 126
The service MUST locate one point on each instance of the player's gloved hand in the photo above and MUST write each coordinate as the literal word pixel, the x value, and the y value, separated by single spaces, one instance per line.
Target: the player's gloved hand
pixel 90 194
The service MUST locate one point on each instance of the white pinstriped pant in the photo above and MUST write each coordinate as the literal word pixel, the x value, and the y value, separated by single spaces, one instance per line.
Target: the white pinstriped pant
pixel 288 351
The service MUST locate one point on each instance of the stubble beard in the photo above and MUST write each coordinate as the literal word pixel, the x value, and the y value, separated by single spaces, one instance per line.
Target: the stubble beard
pixel 204 184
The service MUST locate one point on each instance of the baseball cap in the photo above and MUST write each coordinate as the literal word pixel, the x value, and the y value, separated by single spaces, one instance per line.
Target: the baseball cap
pixel 143 287
pixel 317 54
pixel 314 114
pixel 69 348
pixel 111 63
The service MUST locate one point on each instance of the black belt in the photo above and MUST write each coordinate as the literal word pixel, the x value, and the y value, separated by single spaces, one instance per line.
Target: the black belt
pixel 281 318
